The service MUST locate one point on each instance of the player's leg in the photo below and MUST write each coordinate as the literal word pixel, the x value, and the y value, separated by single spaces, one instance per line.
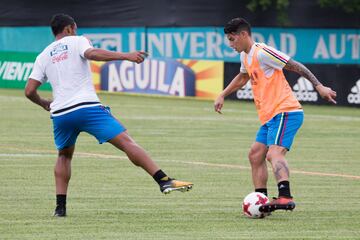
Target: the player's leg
pixel 140 158
pixel 135 153
pixel 257 160
pixel 65 135
pixel 276 156
pixel 62 169
pixel 259 170
pixel 62 173
pixel 107 128
pixel 282 131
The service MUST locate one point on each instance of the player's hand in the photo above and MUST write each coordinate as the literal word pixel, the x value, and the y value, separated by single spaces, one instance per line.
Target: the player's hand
pixel 137 56
pixel 219 103
pixel 46 104
pixel 326 93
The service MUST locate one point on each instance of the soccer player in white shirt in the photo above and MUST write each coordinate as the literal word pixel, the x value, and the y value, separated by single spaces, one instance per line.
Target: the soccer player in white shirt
pixel 76 108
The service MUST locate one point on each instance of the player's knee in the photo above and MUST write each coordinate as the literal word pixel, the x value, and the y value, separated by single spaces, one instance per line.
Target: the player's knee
pixel 254 156
pixel 65 154
pixel 62 157
pixel 275 153
pixel 124 142
pixel 271 155
pixel 251 155
pixel 128 144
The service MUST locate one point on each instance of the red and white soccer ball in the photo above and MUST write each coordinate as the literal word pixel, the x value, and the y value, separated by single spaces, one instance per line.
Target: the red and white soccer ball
pixel 252 203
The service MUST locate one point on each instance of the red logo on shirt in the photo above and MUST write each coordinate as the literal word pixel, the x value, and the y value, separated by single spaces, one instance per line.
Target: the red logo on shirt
pixel 60 58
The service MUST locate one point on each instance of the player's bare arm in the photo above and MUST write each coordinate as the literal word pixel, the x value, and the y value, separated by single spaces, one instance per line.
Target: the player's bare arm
pixel 31 93
pixel 238 82
pixel 104 55
pixel 325 92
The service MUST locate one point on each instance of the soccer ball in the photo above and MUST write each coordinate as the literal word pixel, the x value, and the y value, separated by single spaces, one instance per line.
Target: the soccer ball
pixel 252 203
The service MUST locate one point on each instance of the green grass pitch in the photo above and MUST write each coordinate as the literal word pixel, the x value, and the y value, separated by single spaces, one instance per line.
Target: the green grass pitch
pixel 109 198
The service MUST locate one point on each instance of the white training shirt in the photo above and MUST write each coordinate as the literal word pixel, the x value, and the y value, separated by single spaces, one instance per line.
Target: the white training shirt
pixel 269 59
pixel 63 64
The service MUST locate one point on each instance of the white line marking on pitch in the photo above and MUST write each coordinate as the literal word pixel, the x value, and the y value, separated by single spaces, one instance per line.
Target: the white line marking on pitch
pixel 292 171
pixel 232 166
pixel 78 154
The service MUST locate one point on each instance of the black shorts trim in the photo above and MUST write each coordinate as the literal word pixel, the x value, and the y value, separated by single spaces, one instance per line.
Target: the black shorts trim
pixel 74 106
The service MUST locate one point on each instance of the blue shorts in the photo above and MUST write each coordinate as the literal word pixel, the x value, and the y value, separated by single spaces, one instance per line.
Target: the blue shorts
pixel 96 121
pixel 281 129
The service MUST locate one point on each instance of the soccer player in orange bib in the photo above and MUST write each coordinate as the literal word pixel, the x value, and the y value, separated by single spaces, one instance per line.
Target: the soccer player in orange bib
pixel 280 113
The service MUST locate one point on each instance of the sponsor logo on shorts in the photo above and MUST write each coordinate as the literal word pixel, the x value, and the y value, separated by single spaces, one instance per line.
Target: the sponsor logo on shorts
pixel 245 92
pixel 354 96
pixel 304 90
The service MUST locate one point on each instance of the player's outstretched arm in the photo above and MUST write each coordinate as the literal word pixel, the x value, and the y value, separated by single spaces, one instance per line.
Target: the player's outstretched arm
pixel 97 54
pixel 31 93
pixel 325 92
pixel 238 82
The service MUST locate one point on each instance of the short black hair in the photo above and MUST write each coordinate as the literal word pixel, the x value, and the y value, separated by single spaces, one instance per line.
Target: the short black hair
pixel 237 25
pixel 59 22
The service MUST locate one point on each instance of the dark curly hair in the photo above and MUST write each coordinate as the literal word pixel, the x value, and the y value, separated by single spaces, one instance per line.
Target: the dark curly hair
pixel 237 25
pixel 59 22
